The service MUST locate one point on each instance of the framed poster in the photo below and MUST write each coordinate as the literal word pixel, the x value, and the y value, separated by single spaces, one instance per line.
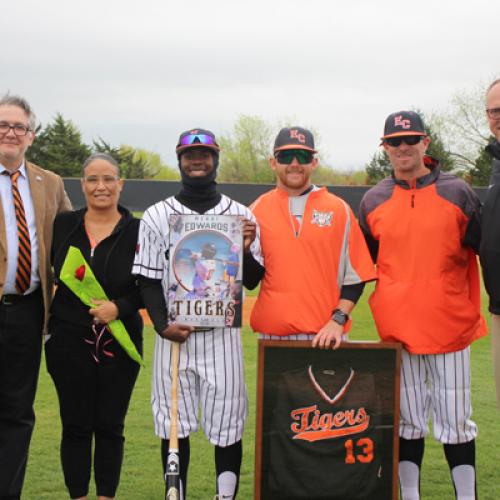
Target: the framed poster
pixel 205 270
pixel 327 421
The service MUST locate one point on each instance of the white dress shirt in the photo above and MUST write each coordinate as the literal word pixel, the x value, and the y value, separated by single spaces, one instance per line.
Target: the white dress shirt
pixel 11 229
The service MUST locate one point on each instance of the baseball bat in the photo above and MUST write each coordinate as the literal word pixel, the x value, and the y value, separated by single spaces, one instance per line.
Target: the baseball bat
pixel 172 478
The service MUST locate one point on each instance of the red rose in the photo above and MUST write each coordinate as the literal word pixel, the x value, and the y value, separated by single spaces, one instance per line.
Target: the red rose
pixel 80 273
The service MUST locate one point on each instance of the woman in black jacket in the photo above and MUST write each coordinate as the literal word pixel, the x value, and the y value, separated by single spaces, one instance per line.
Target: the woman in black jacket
pixel 93 375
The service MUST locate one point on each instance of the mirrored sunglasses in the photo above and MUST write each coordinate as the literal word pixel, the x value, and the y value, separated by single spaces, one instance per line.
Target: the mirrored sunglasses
pixel 410 140
pixel 190 139
pixel 286 157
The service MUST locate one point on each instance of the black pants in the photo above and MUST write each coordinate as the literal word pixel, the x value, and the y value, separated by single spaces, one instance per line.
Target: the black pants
pixel 93 398
pixel 21 324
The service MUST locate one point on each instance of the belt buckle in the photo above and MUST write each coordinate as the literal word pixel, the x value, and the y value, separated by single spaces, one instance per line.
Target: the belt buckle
pixel 5 301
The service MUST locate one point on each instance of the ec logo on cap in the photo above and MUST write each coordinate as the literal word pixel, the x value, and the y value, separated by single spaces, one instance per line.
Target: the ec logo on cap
pixel 294 134
pixel 399 122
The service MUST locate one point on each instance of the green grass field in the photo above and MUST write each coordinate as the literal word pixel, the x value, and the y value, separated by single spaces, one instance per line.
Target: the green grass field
pixel 141 474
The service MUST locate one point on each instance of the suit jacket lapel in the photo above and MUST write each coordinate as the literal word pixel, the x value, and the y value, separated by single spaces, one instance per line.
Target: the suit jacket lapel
pixel 37 190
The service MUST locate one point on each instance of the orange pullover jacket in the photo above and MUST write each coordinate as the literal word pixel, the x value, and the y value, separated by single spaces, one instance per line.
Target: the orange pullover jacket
pixel 305 272
pixel 424 239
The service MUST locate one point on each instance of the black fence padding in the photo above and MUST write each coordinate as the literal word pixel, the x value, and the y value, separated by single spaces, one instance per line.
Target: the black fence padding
pixel 138 195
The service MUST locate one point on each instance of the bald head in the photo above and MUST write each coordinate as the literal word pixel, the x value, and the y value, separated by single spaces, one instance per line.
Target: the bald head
pixel 493 108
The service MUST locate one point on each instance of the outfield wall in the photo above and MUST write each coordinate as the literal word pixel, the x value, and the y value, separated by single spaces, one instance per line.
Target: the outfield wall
pixel 137 195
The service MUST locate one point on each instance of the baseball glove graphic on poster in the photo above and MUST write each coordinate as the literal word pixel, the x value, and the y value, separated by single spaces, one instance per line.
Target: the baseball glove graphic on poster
pixel 205 270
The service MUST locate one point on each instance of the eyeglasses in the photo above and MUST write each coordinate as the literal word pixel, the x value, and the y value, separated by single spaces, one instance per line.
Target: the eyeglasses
pixel 18 129
pixel 493 113
pixel 189 139
pixel 286 157
pixel 107 180
pixel 410 140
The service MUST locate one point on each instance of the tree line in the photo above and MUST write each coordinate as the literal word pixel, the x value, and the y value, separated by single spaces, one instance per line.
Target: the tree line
pixel 458 137
pixel 59 147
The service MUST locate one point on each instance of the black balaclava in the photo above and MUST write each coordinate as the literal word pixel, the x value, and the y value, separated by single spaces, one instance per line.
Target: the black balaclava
pixel 199 193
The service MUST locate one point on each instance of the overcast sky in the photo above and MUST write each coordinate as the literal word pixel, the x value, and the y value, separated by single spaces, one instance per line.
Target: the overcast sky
pixel 141 72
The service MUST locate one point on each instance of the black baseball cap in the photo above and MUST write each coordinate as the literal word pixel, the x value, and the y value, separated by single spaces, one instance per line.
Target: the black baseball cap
pixel 403 123
pixel 197 137
pixel 294 138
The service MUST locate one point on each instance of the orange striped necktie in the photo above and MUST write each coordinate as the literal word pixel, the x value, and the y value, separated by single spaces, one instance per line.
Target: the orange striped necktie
pixel 23 272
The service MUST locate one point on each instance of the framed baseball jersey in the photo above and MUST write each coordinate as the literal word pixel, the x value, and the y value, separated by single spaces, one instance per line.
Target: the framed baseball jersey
pixel 327 421
pixel 205 272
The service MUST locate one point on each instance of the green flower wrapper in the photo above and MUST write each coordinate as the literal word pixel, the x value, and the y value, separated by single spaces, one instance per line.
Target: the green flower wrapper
pixel 77 275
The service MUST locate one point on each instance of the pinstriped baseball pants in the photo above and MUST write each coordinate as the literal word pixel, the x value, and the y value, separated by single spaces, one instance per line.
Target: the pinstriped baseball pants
pixel 441 383
pixel 211 379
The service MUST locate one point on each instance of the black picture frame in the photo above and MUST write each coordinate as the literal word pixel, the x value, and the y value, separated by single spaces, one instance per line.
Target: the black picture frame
pixel 327 421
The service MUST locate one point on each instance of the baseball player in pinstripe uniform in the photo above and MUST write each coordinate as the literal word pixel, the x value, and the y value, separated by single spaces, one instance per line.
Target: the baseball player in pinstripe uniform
pixel 211 362
pixel 422 227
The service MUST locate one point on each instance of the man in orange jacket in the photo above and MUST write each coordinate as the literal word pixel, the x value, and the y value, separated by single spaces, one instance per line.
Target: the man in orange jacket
pixel 315 258
pixel 422 228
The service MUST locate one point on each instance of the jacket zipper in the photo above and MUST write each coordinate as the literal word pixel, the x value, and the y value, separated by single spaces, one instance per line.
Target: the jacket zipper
pixel 292 222
pixel 92 243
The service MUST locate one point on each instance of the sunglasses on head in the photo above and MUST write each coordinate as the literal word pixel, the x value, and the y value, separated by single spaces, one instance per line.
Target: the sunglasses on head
pixel 410 140
pixel 286 157
pixel 189 139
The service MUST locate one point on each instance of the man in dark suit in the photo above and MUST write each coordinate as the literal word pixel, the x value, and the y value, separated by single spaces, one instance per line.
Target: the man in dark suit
pixel 30 199
pixel 490 243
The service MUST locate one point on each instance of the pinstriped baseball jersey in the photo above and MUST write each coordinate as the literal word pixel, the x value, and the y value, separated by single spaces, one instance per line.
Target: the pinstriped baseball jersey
pixel 211 363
